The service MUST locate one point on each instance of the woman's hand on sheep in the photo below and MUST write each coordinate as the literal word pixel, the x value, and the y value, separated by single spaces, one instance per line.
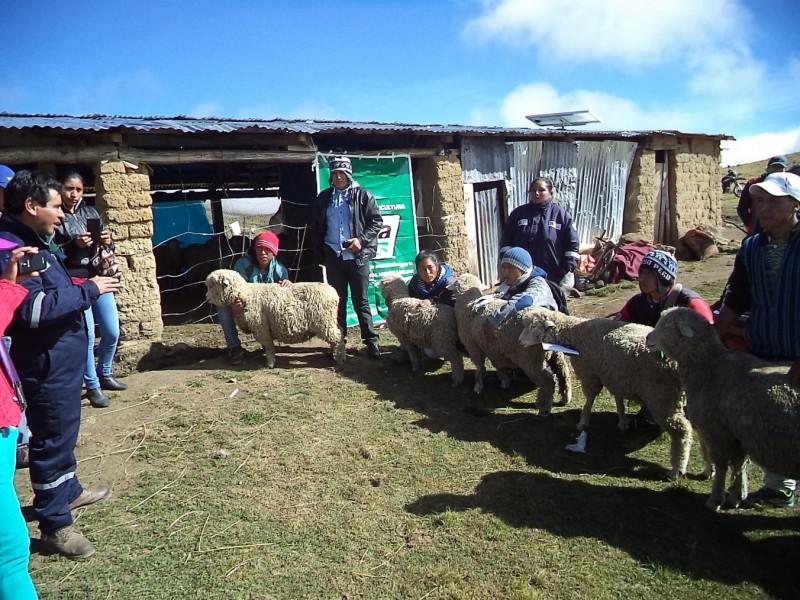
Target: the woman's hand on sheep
pixel 237 306
pixel 425 302
pixel 794 373
pixel 285 283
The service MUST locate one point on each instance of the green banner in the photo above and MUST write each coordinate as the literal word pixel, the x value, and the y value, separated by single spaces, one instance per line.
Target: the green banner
pixel 389 180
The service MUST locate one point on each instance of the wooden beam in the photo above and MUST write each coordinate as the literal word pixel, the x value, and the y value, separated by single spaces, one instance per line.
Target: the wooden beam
pixel 91 154
pixel 203 156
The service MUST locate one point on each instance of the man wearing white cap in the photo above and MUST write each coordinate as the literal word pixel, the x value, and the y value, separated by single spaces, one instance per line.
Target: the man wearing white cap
pixel 746 209
pixel 766 281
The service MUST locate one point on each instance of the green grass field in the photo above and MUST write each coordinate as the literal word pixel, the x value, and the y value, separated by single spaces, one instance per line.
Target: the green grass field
pixel 376 482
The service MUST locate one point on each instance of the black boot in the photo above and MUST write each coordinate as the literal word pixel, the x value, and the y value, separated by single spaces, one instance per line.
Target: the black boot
pixel 107 382
pixel 97 398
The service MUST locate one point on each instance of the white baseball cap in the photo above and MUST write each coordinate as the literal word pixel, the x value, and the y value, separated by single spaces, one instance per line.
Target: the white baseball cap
pixel 779 184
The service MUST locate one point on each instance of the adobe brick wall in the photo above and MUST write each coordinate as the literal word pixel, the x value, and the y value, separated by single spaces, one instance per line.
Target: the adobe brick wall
pixel 123 199
pixel 640 199
pixel 443 202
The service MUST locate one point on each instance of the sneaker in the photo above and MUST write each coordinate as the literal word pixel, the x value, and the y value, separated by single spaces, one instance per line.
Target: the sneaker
pixel 769 497
pixel 108 382
pixel 235 356
pixel 97 398
pixel 69 542
pixel 89 497
pixel 373 350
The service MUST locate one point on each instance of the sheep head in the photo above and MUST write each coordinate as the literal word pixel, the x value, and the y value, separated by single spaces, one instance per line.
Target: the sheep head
pixel 393 287
pixel 224 286
pixel 680 331
pixel 540 324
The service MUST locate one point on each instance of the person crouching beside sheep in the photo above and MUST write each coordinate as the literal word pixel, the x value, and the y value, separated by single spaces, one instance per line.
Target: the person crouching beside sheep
pixel 766 281
pixel 522 285
pixel 259 265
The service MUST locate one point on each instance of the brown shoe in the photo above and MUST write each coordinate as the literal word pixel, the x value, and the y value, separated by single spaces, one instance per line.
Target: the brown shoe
pixel 69 542
pixel 89 497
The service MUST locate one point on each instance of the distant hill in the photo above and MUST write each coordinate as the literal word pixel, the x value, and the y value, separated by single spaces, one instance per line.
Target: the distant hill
pixel 754 169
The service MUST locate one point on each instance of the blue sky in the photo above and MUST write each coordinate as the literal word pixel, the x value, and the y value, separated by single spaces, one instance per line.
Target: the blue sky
pixel 708 66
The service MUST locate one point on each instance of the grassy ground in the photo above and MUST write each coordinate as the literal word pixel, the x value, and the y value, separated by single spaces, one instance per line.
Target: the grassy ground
pixel 375 482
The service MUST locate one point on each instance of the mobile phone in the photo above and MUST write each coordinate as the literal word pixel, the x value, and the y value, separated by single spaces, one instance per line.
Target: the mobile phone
pixel 345 245
pixel 30 263
pixel 93 227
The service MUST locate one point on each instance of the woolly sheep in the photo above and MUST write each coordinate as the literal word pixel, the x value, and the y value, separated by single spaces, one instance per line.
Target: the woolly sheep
pixel 613 355
pixel 741 405
pixel 503 349
pixel 283 314
pixel 418 325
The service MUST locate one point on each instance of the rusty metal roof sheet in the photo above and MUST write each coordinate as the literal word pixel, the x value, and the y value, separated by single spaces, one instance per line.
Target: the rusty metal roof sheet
pixel 191 125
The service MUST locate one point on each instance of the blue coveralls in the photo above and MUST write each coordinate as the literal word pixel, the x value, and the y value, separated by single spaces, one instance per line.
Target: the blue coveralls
pixel 48 348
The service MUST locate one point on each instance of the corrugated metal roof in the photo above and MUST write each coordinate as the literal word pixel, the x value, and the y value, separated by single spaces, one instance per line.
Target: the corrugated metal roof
pixel 190 125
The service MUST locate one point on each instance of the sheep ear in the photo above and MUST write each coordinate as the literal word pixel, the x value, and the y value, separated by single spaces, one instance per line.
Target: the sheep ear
pixel 685 329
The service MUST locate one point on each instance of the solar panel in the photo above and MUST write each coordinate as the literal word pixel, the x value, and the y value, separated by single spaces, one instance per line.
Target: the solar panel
pixel 571 118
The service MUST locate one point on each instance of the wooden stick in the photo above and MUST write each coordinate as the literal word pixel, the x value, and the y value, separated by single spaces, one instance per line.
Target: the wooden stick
pixel 162 488
pixel 234 547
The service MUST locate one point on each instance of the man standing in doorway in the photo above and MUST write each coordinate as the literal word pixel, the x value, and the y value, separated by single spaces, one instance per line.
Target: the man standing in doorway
pixel 765 282
pixel 345 223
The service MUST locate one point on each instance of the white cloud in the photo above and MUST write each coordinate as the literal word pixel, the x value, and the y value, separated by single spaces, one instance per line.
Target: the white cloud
pixel 624 32
pixel 760 147
pixel 616 112
pixel 206 109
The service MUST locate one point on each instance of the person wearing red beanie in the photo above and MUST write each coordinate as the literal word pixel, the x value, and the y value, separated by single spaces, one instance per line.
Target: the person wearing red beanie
pixel 259 265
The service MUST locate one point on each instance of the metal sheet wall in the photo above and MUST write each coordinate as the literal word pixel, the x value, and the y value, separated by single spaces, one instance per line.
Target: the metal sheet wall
pixel 602 169
pixel 488 220
pixel 590 180
pixel 483 159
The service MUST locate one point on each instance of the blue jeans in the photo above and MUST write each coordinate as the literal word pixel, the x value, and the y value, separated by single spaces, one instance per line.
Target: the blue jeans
pixel 104 312
pixel 228 323
pixel 15 581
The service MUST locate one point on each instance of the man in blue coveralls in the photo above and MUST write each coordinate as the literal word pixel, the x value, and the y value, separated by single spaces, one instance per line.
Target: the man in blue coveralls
pixel 48 347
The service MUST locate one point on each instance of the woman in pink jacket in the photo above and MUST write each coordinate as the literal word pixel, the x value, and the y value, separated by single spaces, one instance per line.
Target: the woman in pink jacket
pixel 15 581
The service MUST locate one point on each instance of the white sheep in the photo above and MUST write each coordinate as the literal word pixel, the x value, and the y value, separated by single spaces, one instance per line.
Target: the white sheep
pixel 740 405
pixel 280 314
pixel 419 325
pixel 613 354
pixel 503 348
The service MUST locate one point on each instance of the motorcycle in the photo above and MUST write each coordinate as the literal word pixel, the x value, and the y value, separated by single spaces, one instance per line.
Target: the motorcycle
pixel 731 182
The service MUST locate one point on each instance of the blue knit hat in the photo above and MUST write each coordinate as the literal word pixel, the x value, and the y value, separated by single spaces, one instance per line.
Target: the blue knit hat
pixel 517 257
pixel 662 264
pixel 6 175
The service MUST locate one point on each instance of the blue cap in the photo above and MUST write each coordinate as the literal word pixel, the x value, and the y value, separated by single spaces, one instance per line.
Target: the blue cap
pixel 6 175
pixel 517 257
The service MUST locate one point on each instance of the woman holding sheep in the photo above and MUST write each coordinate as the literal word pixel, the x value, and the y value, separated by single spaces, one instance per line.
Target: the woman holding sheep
pixel 429 284
pixel 259 265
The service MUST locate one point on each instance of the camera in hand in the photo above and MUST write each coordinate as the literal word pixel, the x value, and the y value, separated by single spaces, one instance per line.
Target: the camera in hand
pixel 345 244
pixel 32 262
pixel 93 227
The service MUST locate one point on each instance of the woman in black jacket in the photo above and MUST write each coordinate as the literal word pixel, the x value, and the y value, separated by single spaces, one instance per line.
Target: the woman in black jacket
pixel 75 240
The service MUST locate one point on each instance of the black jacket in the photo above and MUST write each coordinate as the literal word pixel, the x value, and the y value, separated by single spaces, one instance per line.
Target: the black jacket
pixel 75 258
pixel 365 222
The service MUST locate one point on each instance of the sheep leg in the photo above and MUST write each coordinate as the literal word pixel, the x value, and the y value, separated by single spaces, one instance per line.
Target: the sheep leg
pixel 505 378
pixel 738 490
pixel 623 420
pixel 591 389
pixel 269 351
pixel 708 471
pixel 545 382
pixel 478 359
pixel 414 355
pixel 680 434
pixel 560 366
pixel 717 496
pixel 456 365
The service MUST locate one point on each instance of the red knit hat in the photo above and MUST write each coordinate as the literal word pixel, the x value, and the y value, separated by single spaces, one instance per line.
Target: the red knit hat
pixel 268 240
